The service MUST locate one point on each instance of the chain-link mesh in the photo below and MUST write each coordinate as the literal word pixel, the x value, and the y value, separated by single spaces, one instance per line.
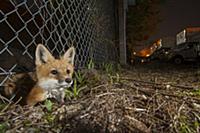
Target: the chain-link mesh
pixel 89 25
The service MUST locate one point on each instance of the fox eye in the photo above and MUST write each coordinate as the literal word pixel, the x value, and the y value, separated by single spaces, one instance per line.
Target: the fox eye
pixel 54 72
pixel 68 71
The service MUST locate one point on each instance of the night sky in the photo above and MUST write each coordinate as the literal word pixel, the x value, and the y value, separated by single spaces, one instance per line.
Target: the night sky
pixel 176 15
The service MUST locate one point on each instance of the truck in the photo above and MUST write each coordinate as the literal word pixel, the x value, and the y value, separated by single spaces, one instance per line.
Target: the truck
pixel 191 34
pixel 187 51
pixel 187 47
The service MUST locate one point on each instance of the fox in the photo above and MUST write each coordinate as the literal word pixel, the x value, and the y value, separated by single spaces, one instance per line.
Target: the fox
pixel 49 80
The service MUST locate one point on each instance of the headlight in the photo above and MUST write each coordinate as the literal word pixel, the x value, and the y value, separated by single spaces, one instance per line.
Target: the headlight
pixel 166 52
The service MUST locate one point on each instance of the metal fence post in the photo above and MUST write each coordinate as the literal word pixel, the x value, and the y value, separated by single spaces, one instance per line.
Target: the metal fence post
pixel 122 31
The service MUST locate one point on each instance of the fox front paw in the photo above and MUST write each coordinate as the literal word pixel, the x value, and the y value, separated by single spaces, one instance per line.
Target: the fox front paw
pixel 9 88
pixel 36 95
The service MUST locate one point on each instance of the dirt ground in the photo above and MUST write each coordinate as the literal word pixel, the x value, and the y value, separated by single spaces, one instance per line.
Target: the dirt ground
pixel 156 97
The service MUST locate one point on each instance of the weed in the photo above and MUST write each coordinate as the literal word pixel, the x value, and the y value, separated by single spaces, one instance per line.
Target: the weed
pixel 49 117
pixel 80 77
pixel 117 77
pixel 48 105
pixel 196 92
pixel 119 68
pixel 90 64
pixel 75 91
pixel 114 78
pixel 27 123
pixel 2 106
pixel 3 127
pixel 108 67
pixel 186 126
pixel 111 79
pixel 197 124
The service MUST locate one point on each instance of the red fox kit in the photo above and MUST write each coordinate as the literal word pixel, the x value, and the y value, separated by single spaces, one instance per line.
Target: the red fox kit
pixel 51 77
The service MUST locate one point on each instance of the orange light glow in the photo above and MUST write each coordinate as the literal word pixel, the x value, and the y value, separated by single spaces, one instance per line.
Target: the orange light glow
pixel 146 52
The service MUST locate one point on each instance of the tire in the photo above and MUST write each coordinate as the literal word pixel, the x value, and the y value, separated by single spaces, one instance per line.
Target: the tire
pixel 178 60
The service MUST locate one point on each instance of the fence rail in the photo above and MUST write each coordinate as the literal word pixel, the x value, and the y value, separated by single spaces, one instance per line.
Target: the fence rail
pixel 89 25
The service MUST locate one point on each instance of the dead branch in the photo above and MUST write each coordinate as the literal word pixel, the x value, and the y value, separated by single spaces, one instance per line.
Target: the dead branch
pixel 161 84
pixel 132 124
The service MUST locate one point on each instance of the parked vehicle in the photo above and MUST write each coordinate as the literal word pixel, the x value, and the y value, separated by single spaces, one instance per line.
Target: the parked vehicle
pixel 160 54
pixel 188 51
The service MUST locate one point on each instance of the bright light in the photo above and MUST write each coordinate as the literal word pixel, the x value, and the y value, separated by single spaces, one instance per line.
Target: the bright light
pixel 134 53
pixel 166 52
pixel 147 55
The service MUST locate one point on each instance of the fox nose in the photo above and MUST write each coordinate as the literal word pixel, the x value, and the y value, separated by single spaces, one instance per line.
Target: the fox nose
pixel 68 80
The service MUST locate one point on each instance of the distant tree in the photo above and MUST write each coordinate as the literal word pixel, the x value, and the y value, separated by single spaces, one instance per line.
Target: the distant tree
pixel 142 20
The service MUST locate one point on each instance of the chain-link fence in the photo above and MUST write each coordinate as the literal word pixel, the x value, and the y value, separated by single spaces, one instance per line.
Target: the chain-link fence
pixel 89 25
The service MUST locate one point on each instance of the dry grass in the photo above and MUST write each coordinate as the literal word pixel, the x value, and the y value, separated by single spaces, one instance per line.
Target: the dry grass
pixel 139 100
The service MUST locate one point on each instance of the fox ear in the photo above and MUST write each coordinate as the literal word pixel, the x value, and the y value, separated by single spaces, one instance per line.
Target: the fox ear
pixel 69 55
pixel 42 55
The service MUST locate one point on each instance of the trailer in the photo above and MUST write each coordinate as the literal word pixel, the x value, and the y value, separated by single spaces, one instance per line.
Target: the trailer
pixel 191 34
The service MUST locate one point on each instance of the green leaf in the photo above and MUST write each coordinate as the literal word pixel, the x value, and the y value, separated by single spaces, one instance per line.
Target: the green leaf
pixel 48 105
pixel 75 88
pixel 90 64
pixel 3 127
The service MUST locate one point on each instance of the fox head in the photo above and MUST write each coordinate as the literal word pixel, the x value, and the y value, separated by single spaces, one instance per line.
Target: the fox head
pixel 54 73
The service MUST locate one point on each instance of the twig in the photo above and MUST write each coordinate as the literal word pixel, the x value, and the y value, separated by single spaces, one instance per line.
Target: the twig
pixel 148 82
pixel 4 98
pixel 178 115
pixel 96 87
pixel 18 101
pixel 135 109
pixel 181 97
pixel 6 107
pixel 151 92
pixel 163 103
pixel 132 123
pixel 155 118
pixel 104 94
pixel 92 104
